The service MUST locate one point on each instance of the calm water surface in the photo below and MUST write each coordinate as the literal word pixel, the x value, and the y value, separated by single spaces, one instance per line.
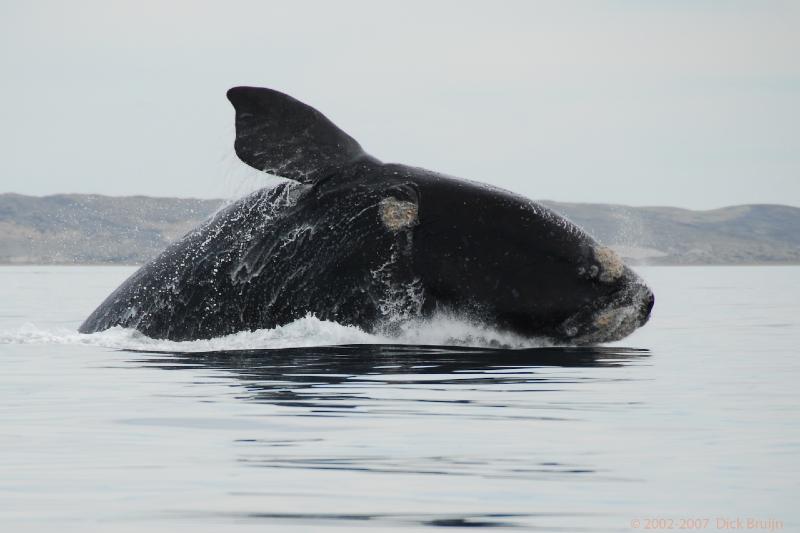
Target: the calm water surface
pixel 696 416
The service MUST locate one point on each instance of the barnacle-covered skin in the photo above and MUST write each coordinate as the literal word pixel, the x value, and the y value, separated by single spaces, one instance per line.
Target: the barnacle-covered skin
pixel 353 240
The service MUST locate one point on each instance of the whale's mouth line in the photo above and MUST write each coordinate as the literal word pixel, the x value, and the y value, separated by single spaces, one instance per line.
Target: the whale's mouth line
pixel 610 318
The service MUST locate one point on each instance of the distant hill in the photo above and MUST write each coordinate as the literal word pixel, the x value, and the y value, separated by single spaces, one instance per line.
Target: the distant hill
pixel 92 229
pixel 742 234
pixel 81 228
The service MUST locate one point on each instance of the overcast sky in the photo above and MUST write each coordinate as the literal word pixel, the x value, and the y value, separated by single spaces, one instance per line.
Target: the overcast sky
pixel 689 103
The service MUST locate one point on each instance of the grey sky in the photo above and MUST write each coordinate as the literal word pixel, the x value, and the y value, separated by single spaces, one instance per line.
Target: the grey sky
pixel 689 103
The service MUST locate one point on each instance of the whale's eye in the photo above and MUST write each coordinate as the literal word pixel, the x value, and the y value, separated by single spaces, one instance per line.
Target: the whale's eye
pixel 397 214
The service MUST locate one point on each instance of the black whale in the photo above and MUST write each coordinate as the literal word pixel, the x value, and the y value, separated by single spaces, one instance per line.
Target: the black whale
pixel 357 241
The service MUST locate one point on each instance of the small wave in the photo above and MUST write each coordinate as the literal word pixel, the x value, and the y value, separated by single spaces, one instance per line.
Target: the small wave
pixel 308 331
pixel 445 329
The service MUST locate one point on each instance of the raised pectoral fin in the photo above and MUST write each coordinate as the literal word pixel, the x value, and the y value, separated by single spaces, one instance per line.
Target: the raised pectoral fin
pixel 282 136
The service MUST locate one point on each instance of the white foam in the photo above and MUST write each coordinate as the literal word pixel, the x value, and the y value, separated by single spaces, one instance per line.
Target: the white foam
pixel 445 329
pixel 307 331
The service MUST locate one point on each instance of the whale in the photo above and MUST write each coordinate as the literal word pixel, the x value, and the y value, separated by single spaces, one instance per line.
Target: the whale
pixel 348 238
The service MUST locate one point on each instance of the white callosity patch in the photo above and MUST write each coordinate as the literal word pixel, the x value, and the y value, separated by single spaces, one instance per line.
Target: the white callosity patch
pixel 611 265
pixel 621 320
pixel 617 320
pixel 398 214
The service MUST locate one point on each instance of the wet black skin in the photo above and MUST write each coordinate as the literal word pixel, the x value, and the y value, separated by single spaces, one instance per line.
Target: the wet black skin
pixel 322 245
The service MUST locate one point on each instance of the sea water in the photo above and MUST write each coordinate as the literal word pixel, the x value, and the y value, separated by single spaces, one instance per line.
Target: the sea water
pixel 692 423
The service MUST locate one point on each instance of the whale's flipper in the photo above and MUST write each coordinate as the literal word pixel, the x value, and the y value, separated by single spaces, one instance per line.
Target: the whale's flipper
pixel 282 136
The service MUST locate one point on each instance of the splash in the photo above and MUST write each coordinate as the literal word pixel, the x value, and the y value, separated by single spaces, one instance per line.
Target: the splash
pixel 309 331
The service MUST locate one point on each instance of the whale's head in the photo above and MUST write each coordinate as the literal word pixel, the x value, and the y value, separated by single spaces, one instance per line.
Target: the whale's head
pixel 521 266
